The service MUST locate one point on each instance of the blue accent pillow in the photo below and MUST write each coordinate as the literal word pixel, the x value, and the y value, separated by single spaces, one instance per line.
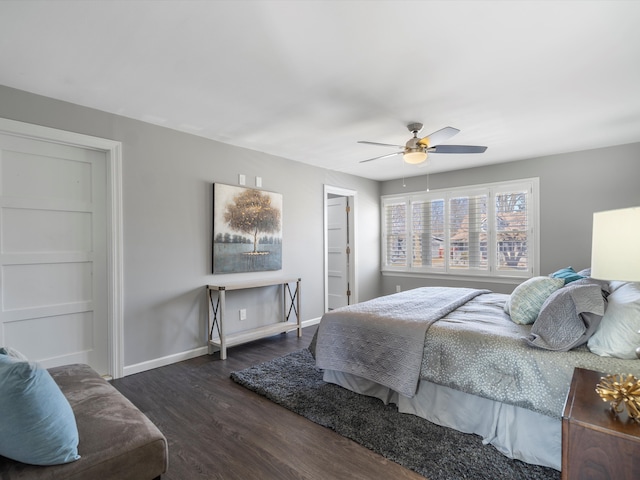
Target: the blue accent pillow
pixel 567 274
pixel 37 425
pixel 12 352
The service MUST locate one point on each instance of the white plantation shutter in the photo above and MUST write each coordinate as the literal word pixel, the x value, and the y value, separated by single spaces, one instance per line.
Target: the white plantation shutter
pixel 487 230
pixel 427 218
pixel 512 230
pixel 468 232
pixel 395 233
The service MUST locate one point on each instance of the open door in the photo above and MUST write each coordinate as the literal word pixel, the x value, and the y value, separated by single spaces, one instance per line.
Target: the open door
pixel 340 252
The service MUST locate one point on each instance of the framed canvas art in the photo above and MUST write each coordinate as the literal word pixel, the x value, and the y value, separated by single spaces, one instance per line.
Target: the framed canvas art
pixel 247 229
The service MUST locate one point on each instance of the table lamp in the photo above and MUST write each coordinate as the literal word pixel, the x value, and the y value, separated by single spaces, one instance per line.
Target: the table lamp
pixel 615 250
pixel 615 255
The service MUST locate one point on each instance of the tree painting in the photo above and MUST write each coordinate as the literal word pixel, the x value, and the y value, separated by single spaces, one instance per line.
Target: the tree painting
pixel 247 229
pixel 251 213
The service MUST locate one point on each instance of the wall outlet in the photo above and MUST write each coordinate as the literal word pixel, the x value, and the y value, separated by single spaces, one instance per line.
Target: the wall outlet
pixel 243 314
pixel 398 289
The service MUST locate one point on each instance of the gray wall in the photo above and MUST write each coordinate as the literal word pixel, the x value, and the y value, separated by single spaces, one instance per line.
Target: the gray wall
pixel 167 202
pixel 572 187
pixel 167 177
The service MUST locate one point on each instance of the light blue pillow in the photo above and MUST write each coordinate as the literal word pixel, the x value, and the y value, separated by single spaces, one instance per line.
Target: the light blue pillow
pixel 37 425
pixel 12 352
pixel 617 335
pixel 568 274
pixel 526 300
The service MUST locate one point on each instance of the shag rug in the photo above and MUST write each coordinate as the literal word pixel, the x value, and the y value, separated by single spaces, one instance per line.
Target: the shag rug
pixel 436 452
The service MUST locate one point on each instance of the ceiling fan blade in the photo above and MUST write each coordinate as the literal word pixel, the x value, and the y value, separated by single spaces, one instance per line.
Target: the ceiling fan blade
pixel 383 156
pixel 436 138
pixel 381 144
pixel 457 149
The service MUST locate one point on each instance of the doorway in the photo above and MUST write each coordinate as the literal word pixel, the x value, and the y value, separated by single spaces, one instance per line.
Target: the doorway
pixel 340 251
pixel 61 262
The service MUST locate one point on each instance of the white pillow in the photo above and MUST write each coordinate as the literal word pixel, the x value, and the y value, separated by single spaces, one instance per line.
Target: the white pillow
pixel 617 335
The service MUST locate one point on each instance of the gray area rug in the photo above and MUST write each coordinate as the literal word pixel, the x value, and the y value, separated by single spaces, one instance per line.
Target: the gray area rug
pixel 436 452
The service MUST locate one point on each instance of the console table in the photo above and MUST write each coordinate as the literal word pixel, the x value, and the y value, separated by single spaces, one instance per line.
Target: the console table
pixel 217 296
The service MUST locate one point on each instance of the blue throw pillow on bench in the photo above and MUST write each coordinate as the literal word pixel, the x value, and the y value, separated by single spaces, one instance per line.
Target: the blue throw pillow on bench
pixel 37 425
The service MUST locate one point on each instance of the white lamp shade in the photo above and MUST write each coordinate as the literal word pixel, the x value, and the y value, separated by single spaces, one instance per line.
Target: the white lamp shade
pixel 615 249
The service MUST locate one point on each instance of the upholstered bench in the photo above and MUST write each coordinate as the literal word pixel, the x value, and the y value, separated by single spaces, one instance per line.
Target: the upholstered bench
pixel 116 440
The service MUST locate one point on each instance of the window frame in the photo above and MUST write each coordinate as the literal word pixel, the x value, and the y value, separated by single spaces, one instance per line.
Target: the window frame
pixel 492 273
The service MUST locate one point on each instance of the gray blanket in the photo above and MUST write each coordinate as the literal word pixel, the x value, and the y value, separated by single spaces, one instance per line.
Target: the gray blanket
pixel 361 339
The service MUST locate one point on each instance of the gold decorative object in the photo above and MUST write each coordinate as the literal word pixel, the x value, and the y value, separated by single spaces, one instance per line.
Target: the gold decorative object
pixel 623 391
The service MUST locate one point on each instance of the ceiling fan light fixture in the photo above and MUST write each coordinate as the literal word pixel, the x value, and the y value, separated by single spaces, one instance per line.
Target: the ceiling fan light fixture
pixel 415 150
pixel 414 158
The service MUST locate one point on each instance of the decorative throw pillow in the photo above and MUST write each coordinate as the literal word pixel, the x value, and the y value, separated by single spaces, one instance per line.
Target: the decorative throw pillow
pixel 12 352
pixel 585 273
pixel 568 317
pixel 603 284
pixel 617 335
pixel 527 298
pixel 567 274
pixel 615 284
pixel 37 425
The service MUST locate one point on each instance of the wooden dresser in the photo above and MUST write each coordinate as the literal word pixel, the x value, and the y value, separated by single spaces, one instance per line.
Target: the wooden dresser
pixel 596 444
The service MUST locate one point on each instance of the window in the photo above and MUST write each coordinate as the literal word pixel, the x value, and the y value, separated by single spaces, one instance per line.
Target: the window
pixel 486 230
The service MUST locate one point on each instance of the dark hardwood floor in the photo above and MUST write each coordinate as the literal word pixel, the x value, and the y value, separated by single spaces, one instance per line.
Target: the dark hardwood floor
pixel 217 429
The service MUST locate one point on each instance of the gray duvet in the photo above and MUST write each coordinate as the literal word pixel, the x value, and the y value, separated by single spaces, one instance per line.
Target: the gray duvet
pixel 478 349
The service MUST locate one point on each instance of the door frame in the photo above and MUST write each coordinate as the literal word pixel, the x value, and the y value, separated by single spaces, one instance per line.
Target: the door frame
pixel 353 264
pixel 113 155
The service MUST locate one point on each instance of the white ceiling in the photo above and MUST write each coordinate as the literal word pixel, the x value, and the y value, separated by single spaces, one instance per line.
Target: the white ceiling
pixel 306 80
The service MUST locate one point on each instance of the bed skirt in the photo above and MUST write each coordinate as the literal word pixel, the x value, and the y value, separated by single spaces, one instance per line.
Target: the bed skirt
pixel 516 432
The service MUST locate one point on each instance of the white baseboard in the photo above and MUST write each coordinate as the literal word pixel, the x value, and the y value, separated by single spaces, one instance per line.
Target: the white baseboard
pixel 179 357
pixel 313 321
pixel 164 361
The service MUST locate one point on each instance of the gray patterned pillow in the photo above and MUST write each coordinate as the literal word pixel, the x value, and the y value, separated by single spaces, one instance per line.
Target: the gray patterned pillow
pixel 568 317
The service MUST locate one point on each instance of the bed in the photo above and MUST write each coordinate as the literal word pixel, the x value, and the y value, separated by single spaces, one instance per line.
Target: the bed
pixel 481 362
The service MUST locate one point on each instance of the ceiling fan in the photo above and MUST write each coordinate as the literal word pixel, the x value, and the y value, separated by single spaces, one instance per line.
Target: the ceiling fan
pixel 416 149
